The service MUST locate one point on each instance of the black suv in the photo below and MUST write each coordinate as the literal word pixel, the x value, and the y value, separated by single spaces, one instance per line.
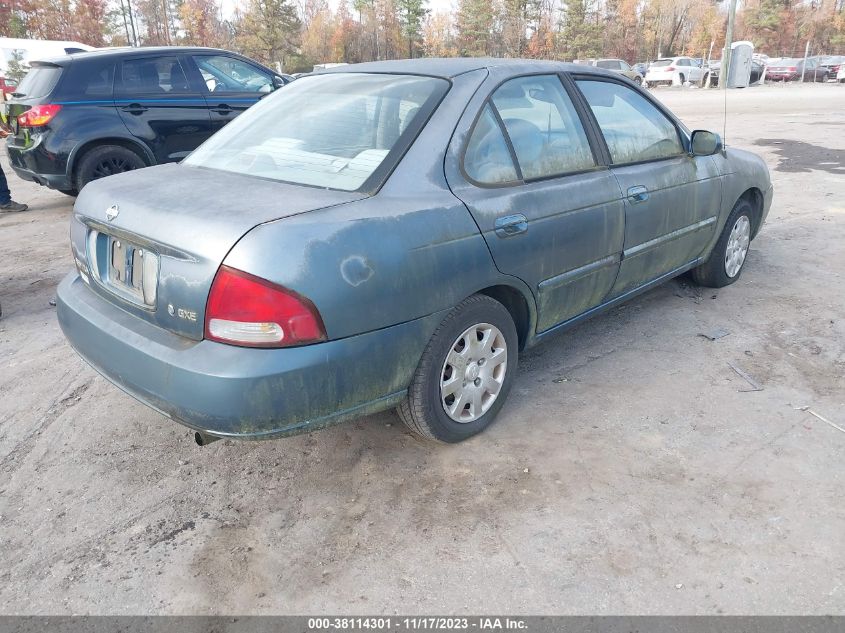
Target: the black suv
pixel 89 115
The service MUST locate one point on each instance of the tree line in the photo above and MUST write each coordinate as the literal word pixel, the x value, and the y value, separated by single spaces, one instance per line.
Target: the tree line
pixel 293 35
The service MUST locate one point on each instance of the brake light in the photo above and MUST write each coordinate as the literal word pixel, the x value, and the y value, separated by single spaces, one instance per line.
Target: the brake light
pixel 792 69
pixel 670 69
pixel 38 116
pixel 253 312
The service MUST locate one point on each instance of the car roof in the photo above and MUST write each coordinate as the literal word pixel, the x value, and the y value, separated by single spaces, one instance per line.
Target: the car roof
pixel 447 67
pixel 99 53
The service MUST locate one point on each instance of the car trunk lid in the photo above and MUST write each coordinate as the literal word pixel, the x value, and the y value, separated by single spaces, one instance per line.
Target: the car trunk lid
pixel 152 240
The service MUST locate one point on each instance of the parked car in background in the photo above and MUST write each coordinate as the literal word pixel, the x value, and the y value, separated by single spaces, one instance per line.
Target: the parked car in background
pixel 393 234
pixel 840 75
pixel 8 85
pixel 715 68
pixel 673 71
pixel 831 63
pixel 80 117
pixel 641 68
pixel 792 69
pixel 619 66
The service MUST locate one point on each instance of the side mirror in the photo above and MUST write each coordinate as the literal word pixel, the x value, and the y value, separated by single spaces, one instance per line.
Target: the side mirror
pixel 278 82
pixel 704 143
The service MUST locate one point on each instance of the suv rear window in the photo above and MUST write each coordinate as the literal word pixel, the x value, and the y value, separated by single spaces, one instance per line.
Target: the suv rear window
pixel 39 81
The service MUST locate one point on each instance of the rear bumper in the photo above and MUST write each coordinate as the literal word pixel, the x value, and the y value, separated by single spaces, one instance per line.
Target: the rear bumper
pixel 35 164
pixel 237 392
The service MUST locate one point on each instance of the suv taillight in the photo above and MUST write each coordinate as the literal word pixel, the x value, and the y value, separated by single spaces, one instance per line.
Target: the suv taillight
pixel 671 69
pixel 38 116
pixel 247 310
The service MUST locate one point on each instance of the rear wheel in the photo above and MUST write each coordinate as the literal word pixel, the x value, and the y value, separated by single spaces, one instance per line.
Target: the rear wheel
pixel 638 80
pixel 465 373
pixel 728 256
pixel 106 160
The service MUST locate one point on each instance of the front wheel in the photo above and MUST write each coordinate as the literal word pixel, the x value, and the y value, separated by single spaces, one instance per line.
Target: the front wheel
pixel 728 256
pixel 465 373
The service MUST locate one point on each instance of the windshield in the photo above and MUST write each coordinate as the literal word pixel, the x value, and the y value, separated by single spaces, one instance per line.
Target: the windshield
pixel 330 131
pixel 662 62
pixel 39 81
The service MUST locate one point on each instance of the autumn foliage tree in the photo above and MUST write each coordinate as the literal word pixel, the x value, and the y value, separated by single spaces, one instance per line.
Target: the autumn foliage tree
pixel 297 36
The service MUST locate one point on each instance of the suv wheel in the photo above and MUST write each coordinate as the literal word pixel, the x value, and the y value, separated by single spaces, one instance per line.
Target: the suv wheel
pixel 465 373
pixel 106 160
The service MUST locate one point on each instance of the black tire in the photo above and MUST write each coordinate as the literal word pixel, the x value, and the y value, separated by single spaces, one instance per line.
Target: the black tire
pixel 682 78
pixel 638 80
pixel 106 160
pixel 69 192
pixel 423 411
pixel 712 273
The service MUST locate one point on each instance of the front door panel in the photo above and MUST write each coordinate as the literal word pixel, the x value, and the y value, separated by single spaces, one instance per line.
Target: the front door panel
pixel 675 221
pixel 158 106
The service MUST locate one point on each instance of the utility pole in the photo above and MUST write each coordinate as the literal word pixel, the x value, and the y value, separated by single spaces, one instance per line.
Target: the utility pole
pixel 804 65
pixel 132 23
pixel 726 56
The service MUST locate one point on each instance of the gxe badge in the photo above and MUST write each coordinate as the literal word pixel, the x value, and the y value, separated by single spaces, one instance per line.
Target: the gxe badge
pixel 112 212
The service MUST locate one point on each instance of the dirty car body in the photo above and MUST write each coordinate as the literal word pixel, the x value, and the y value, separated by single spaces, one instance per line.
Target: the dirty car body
pixel 499 197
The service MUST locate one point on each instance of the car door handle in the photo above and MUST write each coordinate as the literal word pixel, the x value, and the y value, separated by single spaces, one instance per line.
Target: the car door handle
pixel 223 108
pixel 510 225
pixel 637 194
pixel 135 108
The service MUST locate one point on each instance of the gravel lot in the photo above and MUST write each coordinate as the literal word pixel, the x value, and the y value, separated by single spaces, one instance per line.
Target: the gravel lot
pixel 631 472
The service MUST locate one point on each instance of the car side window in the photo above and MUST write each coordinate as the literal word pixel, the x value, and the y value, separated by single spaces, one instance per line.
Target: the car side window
pixel 624 65
pixel 153 75
pixel 487 159
pixel 634 128
pixel 100 82
pixel 222 73
pixel 543 126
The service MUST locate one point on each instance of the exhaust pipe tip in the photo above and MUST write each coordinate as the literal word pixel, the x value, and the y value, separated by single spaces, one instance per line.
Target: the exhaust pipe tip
pixel 204 439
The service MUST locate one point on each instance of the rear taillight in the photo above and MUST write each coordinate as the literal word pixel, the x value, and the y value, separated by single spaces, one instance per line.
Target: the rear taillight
pixel 253 312
pixel 792 69
pixel 671 69
pixel 38 116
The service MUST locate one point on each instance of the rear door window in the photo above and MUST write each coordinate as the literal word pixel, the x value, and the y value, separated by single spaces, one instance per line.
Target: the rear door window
pixel 153 76
pixel 487 159
pixel 543 126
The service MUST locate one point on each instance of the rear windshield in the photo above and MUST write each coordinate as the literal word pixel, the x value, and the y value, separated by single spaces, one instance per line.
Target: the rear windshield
pixel 39 81
pixel 662 62
pixel 332 131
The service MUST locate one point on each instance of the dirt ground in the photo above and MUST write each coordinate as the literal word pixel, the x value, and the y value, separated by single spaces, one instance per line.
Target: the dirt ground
pixel 633 470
